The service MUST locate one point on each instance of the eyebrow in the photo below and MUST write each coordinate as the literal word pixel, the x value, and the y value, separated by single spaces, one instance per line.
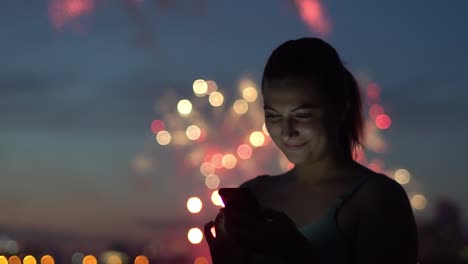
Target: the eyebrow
pixel 303 106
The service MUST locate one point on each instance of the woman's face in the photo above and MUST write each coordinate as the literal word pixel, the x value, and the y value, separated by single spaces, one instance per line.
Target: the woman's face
pixel 294 117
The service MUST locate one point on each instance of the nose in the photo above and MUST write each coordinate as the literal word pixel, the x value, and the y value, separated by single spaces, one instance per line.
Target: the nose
pixel 288 129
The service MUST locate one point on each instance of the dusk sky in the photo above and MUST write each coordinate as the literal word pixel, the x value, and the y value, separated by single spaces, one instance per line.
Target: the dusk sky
pixel 77 101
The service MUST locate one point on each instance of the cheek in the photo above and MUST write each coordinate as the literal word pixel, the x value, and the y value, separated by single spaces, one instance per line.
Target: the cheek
pixel 306 129
pixel 312 129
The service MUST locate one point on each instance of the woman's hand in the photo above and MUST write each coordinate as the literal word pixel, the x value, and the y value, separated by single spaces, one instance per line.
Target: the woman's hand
pixel 223 249
pixel 273 234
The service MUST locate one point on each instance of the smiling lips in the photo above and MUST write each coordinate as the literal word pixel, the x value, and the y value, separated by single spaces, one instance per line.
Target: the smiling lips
pixel 294 146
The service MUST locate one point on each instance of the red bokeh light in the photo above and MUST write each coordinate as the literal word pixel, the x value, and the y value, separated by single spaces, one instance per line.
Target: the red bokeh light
pixel 373 91
pixel 157 125
pixel 63 11
pixel 383 121
pixel 312 13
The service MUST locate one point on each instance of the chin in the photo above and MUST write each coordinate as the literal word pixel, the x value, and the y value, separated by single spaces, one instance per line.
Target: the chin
pixel 295 158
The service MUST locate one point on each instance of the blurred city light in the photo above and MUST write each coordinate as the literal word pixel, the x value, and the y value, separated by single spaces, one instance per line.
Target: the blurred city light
pixel 195 235
pixel 194 205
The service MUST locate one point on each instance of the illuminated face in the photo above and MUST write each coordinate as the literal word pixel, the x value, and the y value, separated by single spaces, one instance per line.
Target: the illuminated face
pixel 294 117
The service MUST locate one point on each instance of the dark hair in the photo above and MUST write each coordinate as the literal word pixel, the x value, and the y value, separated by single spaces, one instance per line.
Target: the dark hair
pixel 316 60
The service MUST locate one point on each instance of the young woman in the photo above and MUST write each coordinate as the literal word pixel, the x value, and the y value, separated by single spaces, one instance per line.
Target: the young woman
pixel 328 208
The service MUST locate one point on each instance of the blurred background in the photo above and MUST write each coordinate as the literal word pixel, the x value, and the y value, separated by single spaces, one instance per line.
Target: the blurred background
pixel 120 119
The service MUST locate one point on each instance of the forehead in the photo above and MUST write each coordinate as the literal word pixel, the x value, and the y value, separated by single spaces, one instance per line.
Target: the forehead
pixel 291 92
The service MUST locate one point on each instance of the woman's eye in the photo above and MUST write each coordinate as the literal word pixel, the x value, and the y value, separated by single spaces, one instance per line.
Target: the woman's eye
pixel 303 116
pixel 272 117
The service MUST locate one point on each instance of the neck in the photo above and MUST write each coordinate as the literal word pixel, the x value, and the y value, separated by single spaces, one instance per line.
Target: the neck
pixel 321 171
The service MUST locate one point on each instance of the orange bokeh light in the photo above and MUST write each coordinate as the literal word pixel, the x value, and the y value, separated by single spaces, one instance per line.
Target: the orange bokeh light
pixel 201 260
pixel 47 259
pixel 141 260
pixel 89 259
pixel 14 260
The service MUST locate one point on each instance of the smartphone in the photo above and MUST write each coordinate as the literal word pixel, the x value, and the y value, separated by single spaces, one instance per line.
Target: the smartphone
pixel 240 199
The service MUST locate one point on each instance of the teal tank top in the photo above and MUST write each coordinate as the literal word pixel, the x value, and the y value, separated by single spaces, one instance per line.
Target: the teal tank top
pixel 329 242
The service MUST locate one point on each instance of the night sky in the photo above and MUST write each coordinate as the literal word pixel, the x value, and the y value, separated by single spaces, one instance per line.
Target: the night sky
pixel 76 102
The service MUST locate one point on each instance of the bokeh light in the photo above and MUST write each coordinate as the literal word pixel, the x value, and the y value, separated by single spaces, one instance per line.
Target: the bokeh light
pixel 89 259
pixel 29 260
pixel 229 161
pixel 62 12
pixel 195 235
pixel 207 168
pixel 212 181
pixel 14 260
pixel 3 260
pixel 244 151
pixel 157 125
pixel 47 259
pixel 216 199
pixel 114 259
pixel 402 176
pixel 212 86
pixel 163 137
pixel 184 107
pixel 257 138
pixel 194 205
pixel 193 132
pixel 241 107
pixel 418 202
pixel 216 99
pixel 200 87
pixel 373 91
pixel 217 160
pixel 312 12
pixel 201 260
pixel 250 94
pixel 141 260
pixel 383 121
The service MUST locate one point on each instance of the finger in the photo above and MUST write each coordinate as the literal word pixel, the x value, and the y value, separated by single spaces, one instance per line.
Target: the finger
pixel 219 224
pixel 207 232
